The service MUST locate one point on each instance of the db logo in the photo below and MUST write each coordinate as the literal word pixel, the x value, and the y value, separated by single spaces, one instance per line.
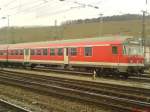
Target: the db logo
pixel 141 110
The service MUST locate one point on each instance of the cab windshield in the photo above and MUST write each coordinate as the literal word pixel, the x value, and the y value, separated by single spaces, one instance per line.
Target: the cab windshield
pixel 132 50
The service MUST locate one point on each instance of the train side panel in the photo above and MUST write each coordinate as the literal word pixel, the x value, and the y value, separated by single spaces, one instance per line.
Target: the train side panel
pixel 3 54
pixel 100 56
pixel 15 55
pixel 40 57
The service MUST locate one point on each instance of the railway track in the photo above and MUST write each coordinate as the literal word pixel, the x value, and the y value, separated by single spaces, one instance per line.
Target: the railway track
pixel 6 106
pixel 116 97
pixel 142 78
pixel 145 79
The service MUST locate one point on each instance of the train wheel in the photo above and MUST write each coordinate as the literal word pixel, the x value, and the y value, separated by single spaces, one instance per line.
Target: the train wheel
pixel 99 72
pixel 32 66
pixel 125 76
pixel 141 71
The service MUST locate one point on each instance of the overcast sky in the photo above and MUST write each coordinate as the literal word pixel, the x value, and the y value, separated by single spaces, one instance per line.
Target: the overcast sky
pixel 45 12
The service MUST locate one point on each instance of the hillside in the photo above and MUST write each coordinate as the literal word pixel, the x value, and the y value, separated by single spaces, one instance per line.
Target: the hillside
pixel 131 27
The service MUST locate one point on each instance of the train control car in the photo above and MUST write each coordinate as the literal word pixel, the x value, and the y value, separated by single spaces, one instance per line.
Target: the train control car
pixel 109 54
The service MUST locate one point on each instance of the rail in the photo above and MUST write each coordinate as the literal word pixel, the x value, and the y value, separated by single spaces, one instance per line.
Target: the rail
pixel 121 98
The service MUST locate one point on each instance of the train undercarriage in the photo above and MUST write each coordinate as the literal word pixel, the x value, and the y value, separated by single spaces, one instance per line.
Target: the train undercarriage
pixel 99 71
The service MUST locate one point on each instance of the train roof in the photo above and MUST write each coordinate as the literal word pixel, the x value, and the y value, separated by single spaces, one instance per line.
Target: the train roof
pixel 73 42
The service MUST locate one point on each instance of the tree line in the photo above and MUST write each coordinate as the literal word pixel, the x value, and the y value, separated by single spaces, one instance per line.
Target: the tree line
pixel 107 18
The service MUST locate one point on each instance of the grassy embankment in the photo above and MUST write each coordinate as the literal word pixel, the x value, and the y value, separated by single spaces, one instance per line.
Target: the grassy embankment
pixel 84 30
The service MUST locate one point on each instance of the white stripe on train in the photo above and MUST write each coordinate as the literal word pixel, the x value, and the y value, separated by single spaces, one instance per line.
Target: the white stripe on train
pixel 76 62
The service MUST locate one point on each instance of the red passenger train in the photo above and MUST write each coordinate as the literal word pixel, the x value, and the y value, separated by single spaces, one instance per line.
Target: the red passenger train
pixel 109 54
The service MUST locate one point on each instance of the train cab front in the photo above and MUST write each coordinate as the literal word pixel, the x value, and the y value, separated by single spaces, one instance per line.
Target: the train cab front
pixel 134 55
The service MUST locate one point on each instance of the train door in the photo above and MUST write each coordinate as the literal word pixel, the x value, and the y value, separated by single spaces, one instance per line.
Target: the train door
pixel 115 54
pixel 66 57
pixel 26 55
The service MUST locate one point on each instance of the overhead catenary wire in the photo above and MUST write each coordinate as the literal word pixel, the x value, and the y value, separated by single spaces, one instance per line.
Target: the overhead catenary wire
pixel 60 11
pixel 25 7
pixel 9 3
pixel 99 2
pixel 25 4
pixel 22 5
pixel 29 6
pixel 79 5
pixel 36 5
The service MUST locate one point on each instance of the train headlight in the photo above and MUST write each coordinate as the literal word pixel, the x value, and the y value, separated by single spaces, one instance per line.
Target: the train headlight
pixel 131 61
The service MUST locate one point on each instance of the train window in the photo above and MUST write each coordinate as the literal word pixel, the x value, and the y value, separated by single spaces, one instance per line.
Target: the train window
pixel 60 52
pixel 4 53
pixel 114 50
pixel 1 52
pixel 16 52
pixel 45 51
pixel 52 51
pixel 12 52
pixel 73 51
pixel 21 52
pixel 32 52
pixel 88 51
pixel 9 53
pixel 38 52
pixel 124 50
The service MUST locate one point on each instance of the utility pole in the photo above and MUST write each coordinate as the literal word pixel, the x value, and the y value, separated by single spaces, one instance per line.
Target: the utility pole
pixel 55 30
pixel 62 33
pixel 101 24
pixel 7 29
pixel 143 29
pixel 8 21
